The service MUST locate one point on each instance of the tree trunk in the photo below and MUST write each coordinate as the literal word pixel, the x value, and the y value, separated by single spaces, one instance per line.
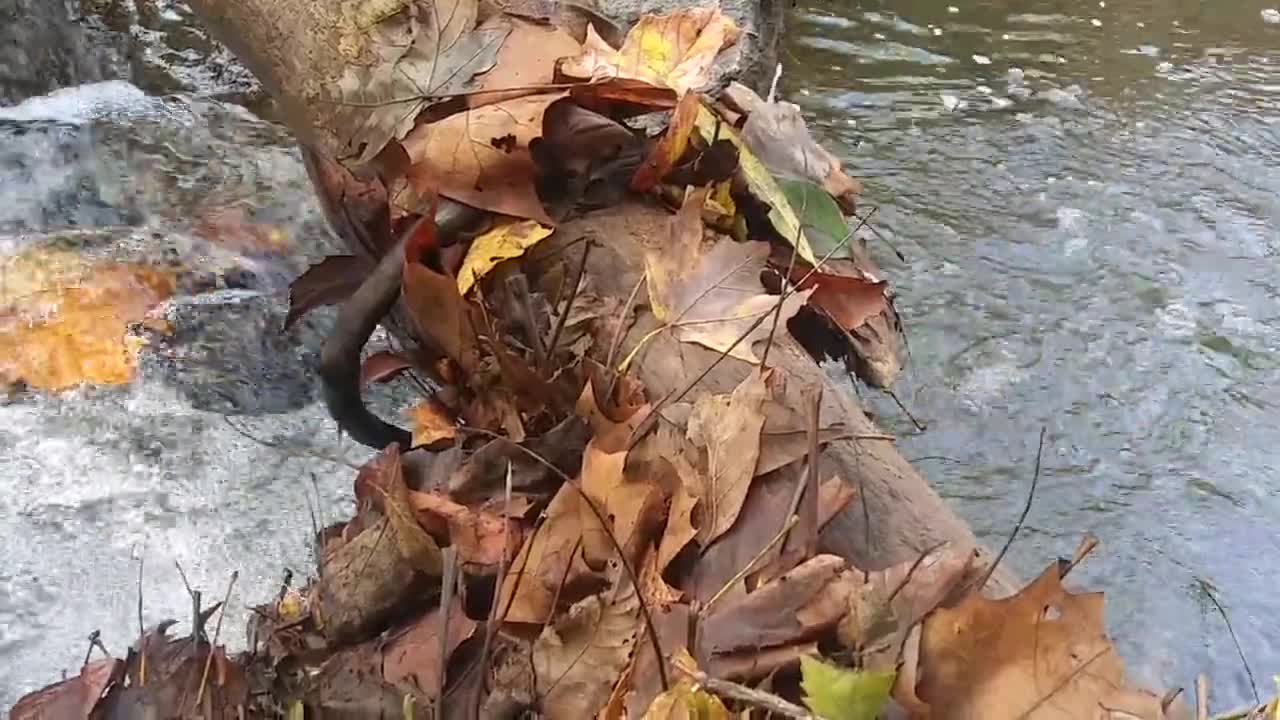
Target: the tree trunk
pixel 298 47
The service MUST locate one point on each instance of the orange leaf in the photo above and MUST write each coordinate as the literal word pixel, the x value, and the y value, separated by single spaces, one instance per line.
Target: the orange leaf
pixel 479 536
pixel 667 152
pixel 431 424
pixel 440 315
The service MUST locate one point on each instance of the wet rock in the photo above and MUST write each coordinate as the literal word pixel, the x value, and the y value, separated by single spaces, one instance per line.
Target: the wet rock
pixel 45 45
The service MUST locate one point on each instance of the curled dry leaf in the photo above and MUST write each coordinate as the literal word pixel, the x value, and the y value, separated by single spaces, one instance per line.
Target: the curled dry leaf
pixel 66 320
pixel 428 53
pixel 390 496
pixel 480 157
pixel 777 134
pixel 729 428
pixel 578 659
pixel 675 50
pixel 714 297
pixel 480 537
pixel 411 658
pixel 432 424
pixel 1042 653
pixel 75 697
pixel 383 366
pixel 327 282
pixel 440 314
pixel 667 152
pixel 506 241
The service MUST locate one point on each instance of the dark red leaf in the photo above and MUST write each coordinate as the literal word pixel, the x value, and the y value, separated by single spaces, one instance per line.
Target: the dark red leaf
pixel 328 282
pixel 382 366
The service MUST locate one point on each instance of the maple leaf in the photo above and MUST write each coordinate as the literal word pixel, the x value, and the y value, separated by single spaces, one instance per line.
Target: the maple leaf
pixel 434 52
pixel 714 297
pixel 674 50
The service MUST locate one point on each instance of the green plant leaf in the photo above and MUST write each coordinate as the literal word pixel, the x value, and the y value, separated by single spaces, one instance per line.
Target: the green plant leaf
pixel 837 693
pixel 819 215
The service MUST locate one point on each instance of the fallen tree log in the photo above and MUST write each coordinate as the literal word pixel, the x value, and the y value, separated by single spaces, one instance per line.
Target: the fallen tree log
pixel 298 49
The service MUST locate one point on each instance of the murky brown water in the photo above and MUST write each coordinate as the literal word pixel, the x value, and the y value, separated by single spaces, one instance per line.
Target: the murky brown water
pixel 1087 195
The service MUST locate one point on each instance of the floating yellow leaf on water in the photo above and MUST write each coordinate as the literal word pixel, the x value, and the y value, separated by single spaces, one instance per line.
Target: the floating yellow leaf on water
pixel 760 182
pixel 501 243
pixel 66 320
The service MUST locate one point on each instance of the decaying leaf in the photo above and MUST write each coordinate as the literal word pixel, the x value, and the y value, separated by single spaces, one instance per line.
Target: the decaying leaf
pixel 667 152
pixel 675 50
pixel 74 697
pixel 327 282
pixel 66 320
pixel 630 506
pixel 380 102
pixel 578 658
pixel 411 658
pixel 729 428
pixel 506 241
pixel 480 157
pixel 383 366
pixel 526 61
pixel 1042 653
pixel 847 295
pixel 777 135
pixel 838 693
pixel 440 314
pixel 761 183
pixel 391 496
pixel 794 608
pixel 431 424
pixel 548 560
pixel 479 536
pixel 714 297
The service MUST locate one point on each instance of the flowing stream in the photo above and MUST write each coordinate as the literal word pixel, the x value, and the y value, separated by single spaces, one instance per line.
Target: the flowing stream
pixel 1086 194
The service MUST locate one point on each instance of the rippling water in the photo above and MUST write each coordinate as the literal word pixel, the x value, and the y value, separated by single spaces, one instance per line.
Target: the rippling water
pixel 1087 195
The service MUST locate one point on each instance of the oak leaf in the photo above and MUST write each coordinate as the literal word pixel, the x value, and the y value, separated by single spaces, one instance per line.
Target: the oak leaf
pixel 714 297
pixel 548 560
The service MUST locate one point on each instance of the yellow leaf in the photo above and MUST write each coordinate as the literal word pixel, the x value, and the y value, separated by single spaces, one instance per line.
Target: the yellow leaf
pixel 843 694
pixel 501 243
pixel 65 320
pixel 761 183
pixel 675 50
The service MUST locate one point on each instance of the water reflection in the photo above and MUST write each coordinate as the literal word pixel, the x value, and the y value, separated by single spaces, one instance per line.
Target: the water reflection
pixel 1087 192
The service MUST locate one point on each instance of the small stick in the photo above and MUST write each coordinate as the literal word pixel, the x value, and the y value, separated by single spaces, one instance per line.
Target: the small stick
pixel 217 630
pixel 448 588
pixel 919 425
pixel 519 285
pixel 742 693
pixel 1035 479
pixel 1208 590
pixel 95 641
pixel 746 570
pixel 1202 697
pixel 142 632
pixel 568 305
pixel 490 629
pixel 1086 546
pixel 773 87
pixel 197 627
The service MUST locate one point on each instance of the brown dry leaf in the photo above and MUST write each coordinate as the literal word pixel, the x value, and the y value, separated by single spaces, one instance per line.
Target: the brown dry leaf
pixel 611 421
pixel 430 53
pixel 383 366
pixel 483 474
pixel 548 559
pixel 849 297
pixel 431 423
pixel 327 282
pixel 391 496
pixel 74 697
pixel 632 507
pixel 728 426
pixel 675 50
pixel 684 501
pixel 1042 653
pixel 480 157
pixel 579 659
pixel 795 608
pixel 777 134
pixel 667 152
pixel 713 298
pixel 886 604
pixel 479 536
pixel 527 59
pixel 785 436
pixel 412 656
pixel 440 314
pixel 65 320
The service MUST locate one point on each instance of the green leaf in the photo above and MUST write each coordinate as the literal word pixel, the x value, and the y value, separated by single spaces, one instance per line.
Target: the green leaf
pixel 819 215
pixel 837 693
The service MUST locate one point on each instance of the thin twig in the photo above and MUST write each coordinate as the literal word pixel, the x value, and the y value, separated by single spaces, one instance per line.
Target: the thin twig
pixel 490 629
pixel 142 632
pixel 751 566
pixel 217 630
pixel 1035 479
pixel 95 640
pixel 919 425
pixel 568 305
pixel 1208 590
pixel 1202 697
pixel 448 588
pixel 742 693
pixel 519 285
pixel 587 500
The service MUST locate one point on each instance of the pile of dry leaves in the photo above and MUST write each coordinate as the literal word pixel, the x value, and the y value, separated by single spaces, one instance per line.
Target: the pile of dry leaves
pixel 562 539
